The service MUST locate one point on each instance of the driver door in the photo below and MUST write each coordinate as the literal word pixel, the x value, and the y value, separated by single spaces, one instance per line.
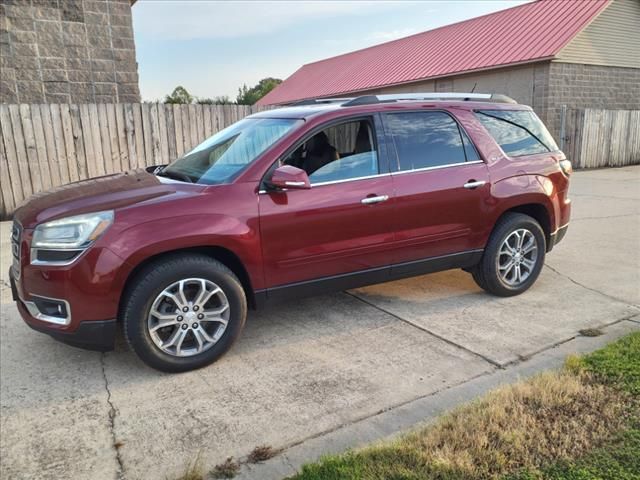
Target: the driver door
pixel 338 231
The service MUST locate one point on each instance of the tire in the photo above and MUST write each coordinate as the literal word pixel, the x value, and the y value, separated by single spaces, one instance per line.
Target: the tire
pixel 504 281
pixel 191 339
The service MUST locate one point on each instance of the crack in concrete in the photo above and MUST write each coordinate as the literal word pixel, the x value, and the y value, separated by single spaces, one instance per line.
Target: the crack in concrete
pixel 426 330
pixel 112 416
pixel 575 282
pixel 380 412
pixel 633 320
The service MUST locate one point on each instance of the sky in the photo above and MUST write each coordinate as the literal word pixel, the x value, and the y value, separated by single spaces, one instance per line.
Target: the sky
pixel 213 47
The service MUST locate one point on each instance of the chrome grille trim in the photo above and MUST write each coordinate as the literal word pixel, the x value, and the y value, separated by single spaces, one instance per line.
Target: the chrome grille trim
pixel 16 241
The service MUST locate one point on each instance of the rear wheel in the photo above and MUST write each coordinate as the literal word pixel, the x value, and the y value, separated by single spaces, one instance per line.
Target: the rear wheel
pixel 184 312
pixel 513 258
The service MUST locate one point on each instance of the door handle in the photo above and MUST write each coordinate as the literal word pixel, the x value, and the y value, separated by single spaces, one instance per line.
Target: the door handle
pixel 471 184
pixel 372 200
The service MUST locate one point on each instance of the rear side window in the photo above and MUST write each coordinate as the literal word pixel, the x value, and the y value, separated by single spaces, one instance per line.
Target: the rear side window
pixel 518 132
pixel 428 139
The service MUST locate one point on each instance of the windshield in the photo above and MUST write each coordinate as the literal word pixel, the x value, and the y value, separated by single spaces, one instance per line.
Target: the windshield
pixel 220 157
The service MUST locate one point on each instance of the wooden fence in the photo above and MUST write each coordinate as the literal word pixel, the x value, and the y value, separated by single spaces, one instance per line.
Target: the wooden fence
pixel 597 138
pixel 44 146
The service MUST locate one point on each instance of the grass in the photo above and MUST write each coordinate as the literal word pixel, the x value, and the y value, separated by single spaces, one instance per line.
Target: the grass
pixel 228 469
pixel 580 423
pixel 261 454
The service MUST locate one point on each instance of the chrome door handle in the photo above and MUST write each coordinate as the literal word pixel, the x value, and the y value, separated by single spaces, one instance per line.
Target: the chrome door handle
pixel 471 184
pixel 372 200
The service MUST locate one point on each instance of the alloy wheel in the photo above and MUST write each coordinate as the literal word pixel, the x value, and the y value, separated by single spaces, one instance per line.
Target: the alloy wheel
pixel 517 257
pixel 188 317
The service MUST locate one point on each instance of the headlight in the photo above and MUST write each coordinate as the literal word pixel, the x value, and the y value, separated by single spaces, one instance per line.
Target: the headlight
pixel 72 235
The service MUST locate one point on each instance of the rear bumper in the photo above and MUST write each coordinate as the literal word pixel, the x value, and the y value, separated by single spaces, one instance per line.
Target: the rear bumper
pixel 91 335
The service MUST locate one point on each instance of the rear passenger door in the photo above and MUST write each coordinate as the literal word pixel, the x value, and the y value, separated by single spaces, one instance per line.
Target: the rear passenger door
pixel 442 188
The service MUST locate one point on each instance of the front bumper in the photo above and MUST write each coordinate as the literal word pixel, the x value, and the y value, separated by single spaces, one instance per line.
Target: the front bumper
pixel 557 236
pixel 92 335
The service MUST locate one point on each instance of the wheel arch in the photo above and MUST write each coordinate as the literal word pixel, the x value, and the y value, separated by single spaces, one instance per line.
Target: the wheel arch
pixel 537 211
pixel 221 254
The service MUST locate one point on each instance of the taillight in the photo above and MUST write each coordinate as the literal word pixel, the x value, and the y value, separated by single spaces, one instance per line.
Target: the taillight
pixel 565 166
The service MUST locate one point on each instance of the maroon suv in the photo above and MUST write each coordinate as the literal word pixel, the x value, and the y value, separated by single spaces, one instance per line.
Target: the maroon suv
pixel 320 196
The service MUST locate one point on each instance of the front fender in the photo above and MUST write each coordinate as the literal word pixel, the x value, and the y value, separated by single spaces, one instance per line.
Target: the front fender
pixel 139 242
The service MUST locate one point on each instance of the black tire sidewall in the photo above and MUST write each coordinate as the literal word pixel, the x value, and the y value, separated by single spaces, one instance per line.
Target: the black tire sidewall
pixel 157 277
pixel 491 276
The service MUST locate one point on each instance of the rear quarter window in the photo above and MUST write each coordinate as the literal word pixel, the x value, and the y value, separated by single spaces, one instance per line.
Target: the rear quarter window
pixel 518 132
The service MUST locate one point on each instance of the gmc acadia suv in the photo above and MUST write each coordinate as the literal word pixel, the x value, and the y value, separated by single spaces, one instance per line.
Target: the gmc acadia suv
pixel 320 196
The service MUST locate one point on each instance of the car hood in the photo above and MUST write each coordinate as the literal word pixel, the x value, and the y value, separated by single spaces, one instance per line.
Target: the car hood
pixel 103 193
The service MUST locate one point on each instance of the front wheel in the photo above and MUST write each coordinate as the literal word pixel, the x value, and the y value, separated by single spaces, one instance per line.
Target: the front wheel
pixel 183 312
pixel 514 256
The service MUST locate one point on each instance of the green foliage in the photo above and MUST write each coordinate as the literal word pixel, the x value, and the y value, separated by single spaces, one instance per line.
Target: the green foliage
pixel 618 363
pixel 179 96
pixel 249 96
pixel 220 100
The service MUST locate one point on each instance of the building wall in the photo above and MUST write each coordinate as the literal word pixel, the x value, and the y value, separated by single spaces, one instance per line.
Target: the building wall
pixel 589 86
pixel 517 82
pixel 612 39
pixel 67 51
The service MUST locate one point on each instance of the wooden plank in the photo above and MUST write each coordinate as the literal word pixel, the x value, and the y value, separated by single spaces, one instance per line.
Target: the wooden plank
pixel 6 181
pixel 30 146
pixel 121 133
pixel 50 143
pixel 21 152
pixel 87 136
pixel 78 141
pixel 206 117
pixel 200 122
pixel 105 141
pixel 155 134
pixel 193 126
pixel 139 135
pixel 113 138
pixel 61 152
pixel 130 130
pixel 171 133
pixel 41 148
pixel 69 144
pixel 177 118
pixel 98 151
pixel 164 140
pixel 186 128
pixel 146 133
pixel 8 138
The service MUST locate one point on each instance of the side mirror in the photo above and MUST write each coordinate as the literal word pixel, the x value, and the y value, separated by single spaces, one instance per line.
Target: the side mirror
pixel 289 177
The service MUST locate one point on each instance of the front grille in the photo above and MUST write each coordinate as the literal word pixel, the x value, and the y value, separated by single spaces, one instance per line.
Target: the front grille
pixel 16 239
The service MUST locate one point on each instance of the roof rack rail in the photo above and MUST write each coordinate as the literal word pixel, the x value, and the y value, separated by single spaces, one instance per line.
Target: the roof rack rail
pixel 319 101
pixel 388 98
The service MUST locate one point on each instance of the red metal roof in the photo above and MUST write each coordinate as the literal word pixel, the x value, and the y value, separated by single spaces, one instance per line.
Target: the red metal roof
pixel 523 34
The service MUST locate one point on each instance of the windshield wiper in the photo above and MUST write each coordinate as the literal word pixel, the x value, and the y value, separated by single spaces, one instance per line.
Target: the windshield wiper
pixel 175 175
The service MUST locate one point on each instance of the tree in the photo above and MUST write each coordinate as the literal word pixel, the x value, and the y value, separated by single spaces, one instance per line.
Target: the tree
pixel 221 100
pixel 249 96
pixel 179 95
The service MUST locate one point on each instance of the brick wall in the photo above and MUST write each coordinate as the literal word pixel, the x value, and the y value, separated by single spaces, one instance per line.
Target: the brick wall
pixel 586 86
pixel 67 51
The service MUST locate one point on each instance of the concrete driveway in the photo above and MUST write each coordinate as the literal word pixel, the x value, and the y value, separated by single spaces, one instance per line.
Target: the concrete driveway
pixel 305 370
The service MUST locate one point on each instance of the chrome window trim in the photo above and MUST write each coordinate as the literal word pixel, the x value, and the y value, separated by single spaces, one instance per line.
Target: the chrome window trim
pixel 321 184
pixel 437 167
pixel 35 312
